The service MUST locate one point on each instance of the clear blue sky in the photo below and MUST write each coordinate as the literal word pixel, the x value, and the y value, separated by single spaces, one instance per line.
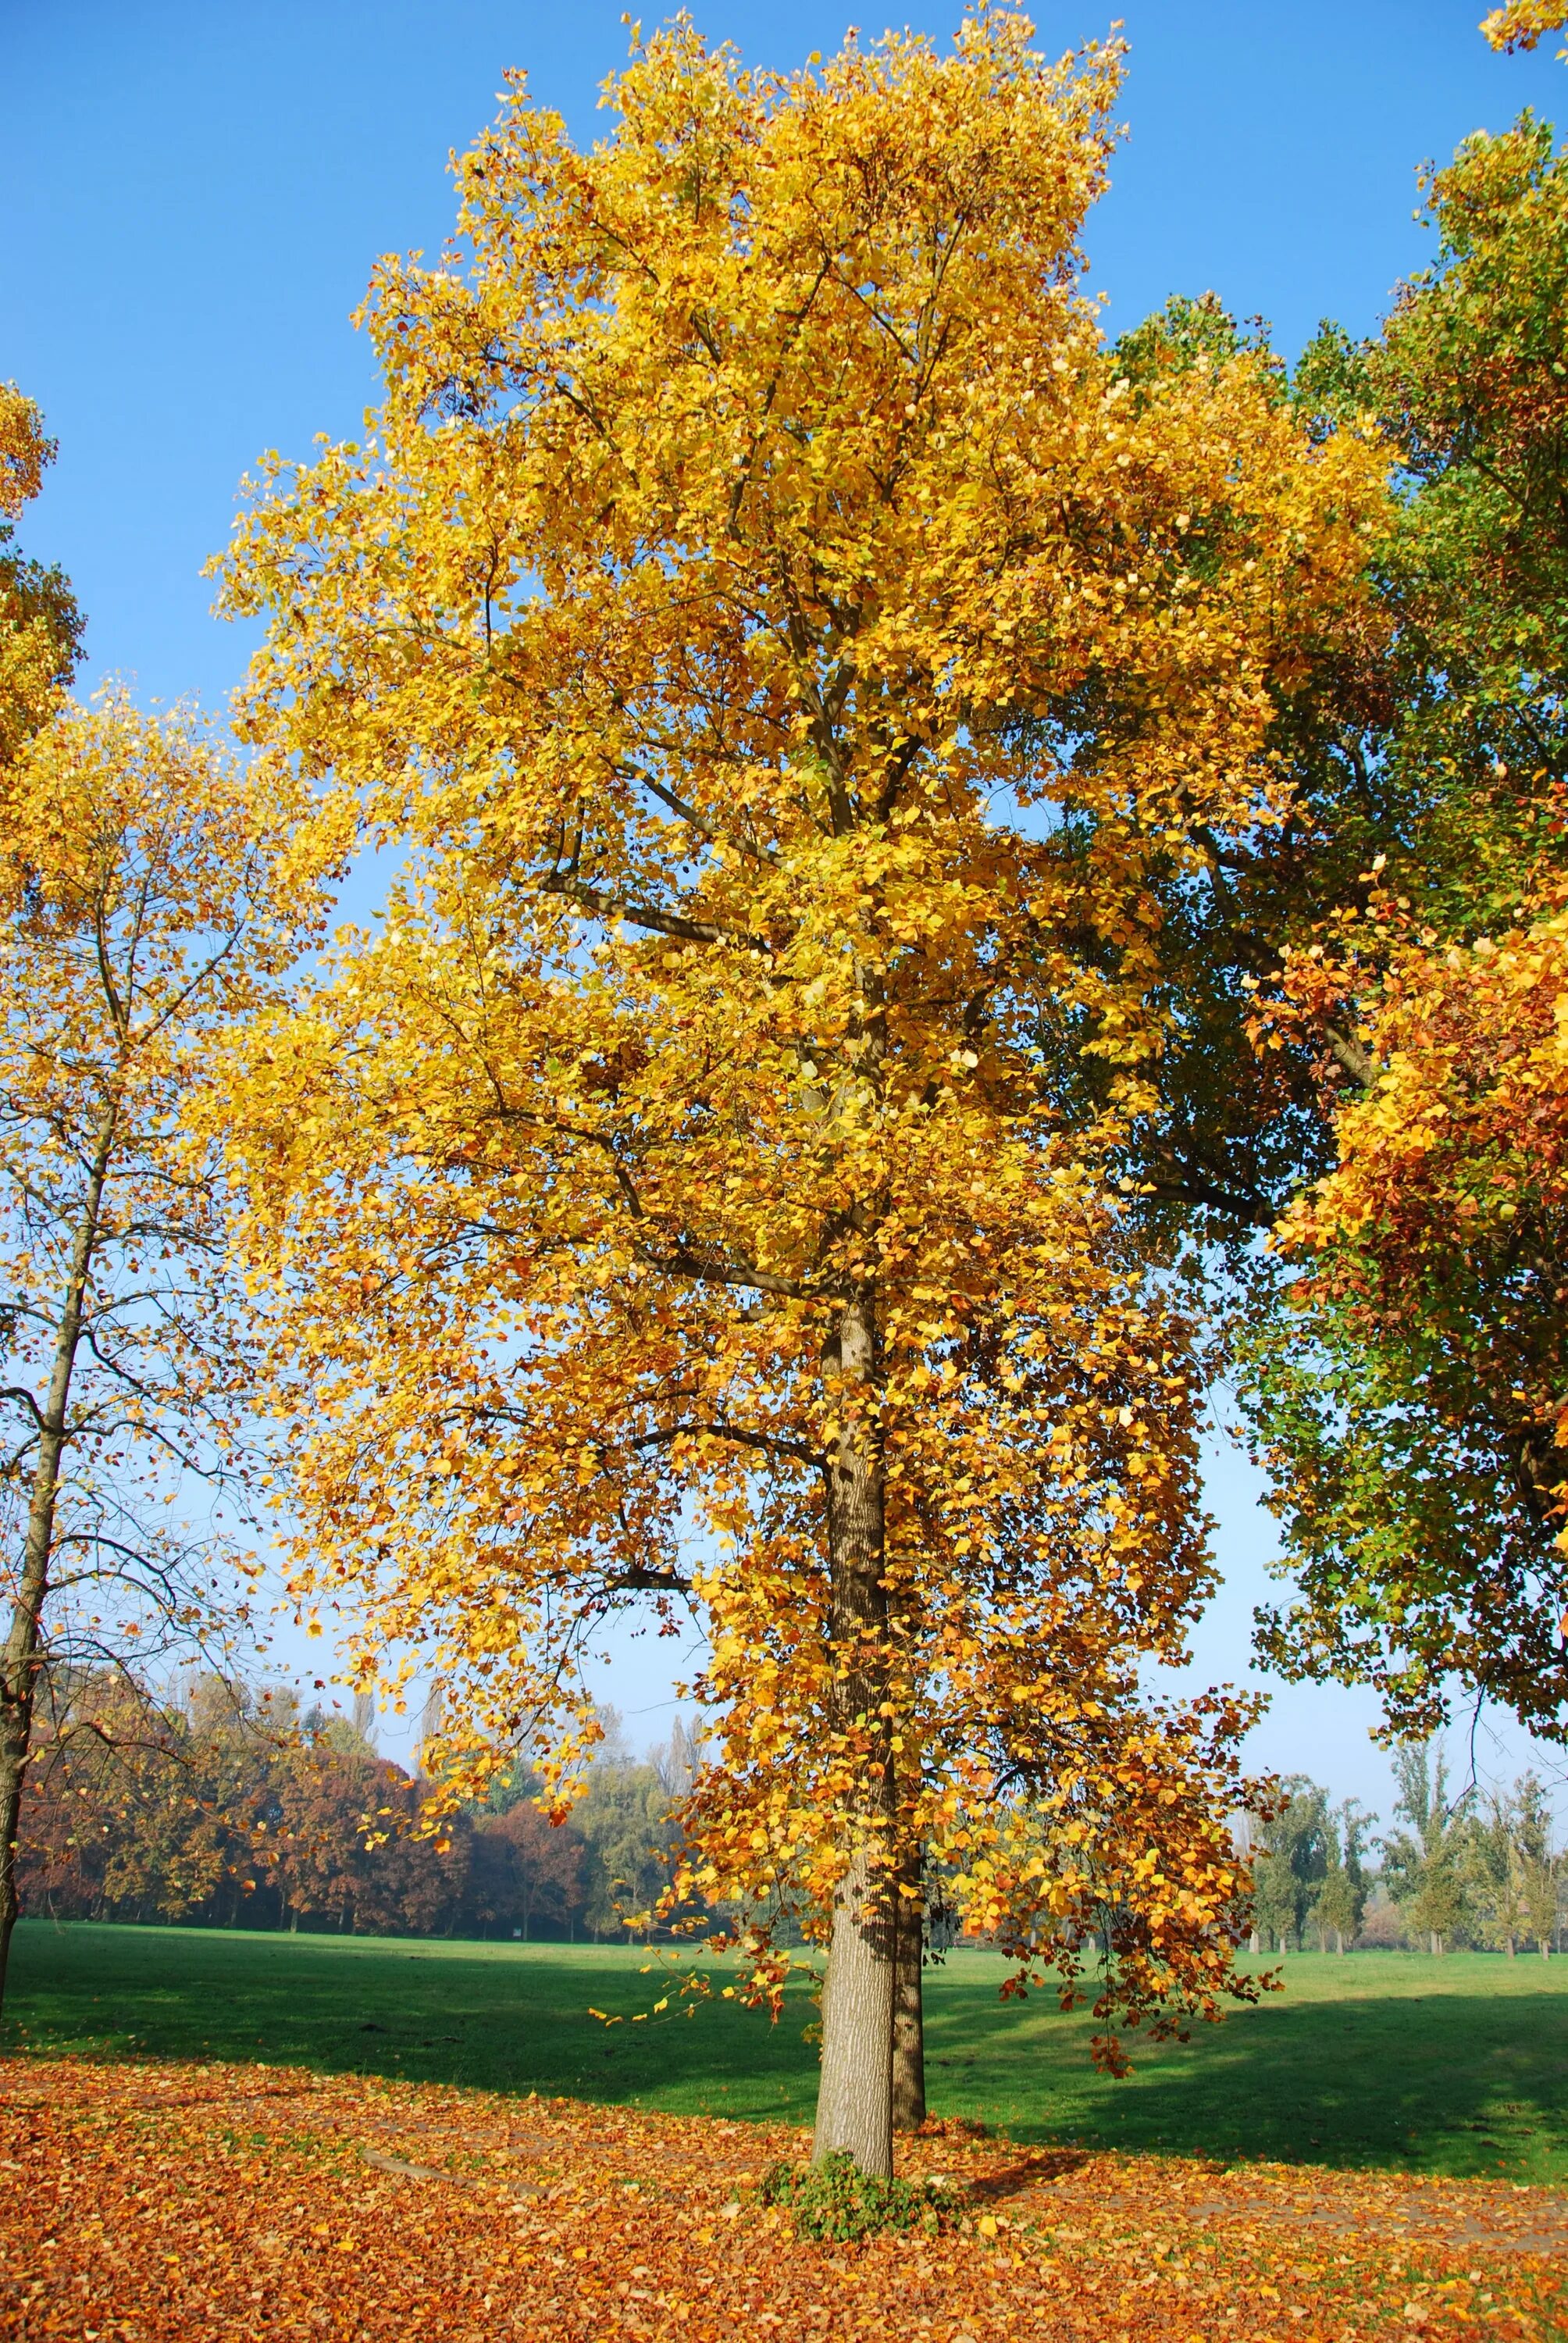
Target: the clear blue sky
pixel 195 194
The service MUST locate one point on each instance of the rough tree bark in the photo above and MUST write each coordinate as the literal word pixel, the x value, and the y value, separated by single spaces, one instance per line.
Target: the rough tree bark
pixel 19 1658
pixel 855 2097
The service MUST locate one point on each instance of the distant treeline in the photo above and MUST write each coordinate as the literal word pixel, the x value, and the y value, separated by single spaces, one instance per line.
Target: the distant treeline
pixel 228 1808
pixel 1468 1870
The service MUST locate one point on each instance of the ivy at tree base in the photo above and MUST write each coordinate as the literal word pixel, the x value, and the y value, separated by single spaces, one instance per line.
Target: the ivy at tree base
pixel 835 2200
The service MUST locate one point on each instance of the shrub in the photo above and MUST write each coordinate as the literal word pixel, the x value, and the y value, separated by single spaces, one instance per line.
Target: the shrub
pixel 837 2201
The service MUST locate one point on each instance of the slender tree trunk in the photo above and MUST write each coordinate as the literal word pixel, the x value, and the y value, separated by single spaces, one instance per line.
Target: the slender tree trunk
pixel 855 2096
pixel 19 1656
pixel 908 2000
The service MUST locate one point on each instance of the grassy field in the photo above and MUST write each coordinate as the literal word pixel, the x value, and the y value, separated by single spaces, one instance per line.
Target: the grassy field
pixel 1455 2066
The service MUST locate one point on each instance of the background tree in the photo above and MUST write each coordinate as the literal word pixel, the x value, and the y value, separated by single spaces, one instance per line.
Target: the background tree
pixel 149 899
pixel 796 654
pixel 1341 1902
pixel 345 1849
pixel 1536 1865
pixel 137 1808
pixel 526 1873
pixel 1491 1877
pixel 1292 1861
pixel 224 1806
pixel 623 1815
pixel 1424 1868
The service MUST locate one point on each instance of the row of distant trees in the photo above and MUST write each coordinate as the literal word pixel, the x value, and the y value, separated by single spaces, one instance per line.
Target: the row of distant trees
pixel 230 1807
pixel 1476 1869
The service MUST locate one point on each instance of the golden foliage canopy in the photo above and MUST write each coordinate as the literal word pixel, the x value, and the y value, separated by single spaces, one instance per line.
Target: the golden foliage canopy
pixel 39 622
pixel 788 646
pixel 1521 24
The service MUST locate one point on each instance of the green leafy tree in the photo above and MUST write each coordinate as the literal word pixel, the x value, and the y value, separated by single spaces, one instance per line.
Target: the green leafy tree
pixel 1292 1861
pixel 1340 1906
pixel 634 1849
pixel 1511 1869
pixel 1536 1867
pixel 1491 1875
pixel 1423 1867
pixel 1409 1388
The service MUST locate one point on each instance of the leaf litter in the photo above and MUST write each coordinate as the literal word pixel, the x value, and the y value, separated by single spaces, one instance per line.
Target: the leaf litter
pixel 153 2201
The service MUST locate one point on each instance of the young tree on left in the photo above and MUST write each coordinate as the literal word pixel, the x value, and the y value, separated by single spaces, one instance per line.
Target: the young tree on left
pixel 152 889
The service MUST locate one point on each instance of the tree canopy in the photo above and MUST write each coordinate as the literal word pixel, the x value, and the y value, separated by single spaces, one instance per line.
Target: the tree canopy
pixel 40 625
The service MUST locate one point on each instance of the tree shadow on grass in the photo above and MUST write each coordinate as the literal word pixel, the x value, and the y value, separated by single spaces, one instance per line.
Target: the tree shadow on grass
pixel 1465 2084
pixel 1470 2084
pixel 492 2018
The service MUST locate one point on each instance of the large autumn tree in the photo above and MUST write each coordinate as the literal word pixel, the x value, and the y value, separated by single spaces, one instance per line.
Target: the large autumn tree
pixel 795 656
pixel 149 897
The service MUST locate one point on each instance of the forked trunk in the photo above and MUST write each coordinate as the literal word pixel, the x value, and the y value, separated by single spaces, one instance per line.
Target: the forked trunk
pixel 908 2000
pixel 855 2096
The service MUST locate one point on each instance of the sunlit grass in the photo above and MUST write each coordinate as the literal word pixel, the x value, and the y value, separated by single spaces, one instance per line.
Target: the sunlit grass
pixel 1457 2065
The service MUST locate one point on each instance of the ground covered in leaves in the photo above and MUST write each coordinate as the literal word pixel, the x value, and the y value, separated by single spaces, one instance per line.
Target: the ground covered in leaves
pixel 147 2201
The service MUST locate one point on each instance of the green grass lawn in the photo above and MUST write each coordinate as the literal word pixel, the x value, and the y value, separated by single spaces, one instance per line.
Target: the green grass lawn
pixel 1455 2066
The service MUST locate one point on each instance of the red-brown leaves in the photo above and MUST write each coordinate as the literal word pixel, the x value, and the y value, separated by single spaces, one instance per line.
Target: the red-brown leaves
pixel 151 2202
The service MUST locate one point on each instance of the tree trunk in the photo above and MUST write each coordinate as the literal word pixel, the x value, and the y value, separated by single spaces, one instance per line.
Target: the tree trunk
pixel 1339 1942
pixel 909 2001
pixel 19 1658
pixel 855 2096
pixel 1256 1944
